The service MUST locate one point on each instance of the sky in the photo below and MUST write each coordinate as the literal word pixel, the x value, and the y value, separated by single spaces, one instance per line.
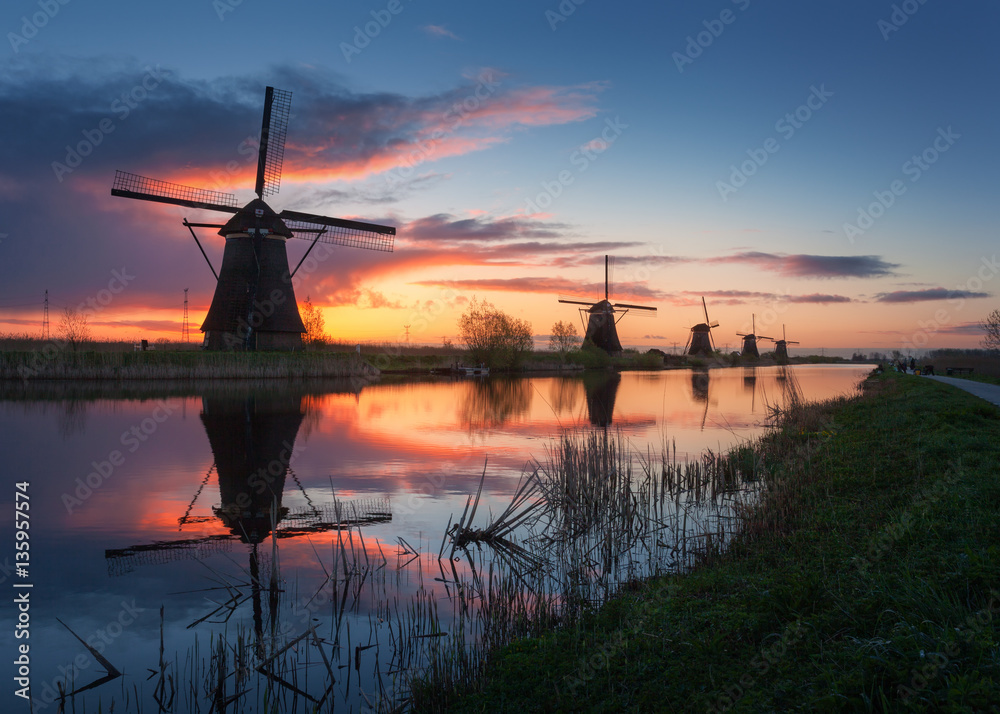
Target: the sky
pixel 824 166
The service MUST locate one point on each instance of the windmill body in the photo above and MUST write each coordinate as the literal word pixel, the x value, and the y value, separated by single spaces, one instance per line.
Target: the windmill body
pixel 254 306
pixel 254 303
pixel 750 341
pixel 700 341
pixel 781 347
pixel 602 322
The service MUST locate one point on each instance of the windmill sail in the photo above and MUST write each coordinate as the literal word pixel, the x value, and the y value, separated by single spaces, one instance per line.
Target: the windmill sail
pixel 601 327
pixel 254 305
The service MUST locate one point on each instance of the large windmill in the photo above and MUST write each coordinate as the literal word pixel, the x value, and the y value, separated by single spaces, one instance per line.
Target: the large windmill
pixel 781 346
pixel 254 304
pixel 700 340
pixel 601 323
pixel 750 340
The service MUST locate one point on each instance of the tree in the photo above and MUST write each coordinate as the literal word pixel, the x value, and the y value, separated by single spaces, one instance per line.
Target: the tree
pixel 493 337
pixel 74 328
pixel 563 337
pixel 991 325
pixel 312 318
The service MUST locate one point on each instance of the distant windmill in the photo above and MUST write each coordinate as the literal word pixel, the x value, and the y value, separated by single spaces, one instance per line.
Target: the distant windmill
pixel 601 324
pixel 781 346
pixel 700 341
pixel 750 340
pixel 254 305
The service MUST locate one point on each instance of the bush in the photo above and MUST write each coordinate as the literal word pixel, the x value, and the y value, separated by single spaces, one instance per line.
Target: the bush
pixel 493 337
pixel 590 356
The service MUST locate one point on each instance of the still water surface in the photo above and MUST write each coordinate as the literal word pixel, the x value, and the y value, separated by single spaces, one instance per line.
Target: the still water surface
pixel 164 498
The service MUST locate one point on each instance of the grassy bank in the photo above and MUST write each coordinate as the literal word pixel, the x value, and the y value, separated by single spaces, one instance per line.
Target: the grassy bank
pixel 868 580
pixel 150 365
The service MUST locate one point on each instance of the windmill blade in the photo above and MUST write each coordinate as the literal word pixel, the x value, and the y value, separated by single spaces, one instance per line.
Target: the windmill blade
pixel 705 308
pixel 578 302
pixel 633 307
pixel 713 324
pixel 129 185
pixel 339 231
pixel 791 342
pixel 271 154
pixel 763 337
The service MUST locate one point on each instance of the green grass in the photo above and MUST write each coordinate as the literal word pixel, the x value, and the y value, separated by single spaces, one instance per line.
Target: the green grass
pixel 978 378
pixel 70 365
pixel 869 581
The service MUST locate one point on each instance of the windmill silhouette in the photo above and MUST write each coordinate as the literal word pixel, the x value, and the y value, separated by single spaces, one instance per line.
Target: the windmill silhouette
pixel 254 304
pixel 601 324
pixel 252 439
pixel 781 346
pixel 750 340
pixel 700 340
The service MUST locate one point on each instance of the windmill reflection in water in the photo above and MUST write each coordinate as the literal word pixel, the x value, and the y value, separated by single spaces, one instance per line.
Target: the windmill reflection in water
pixel 252 437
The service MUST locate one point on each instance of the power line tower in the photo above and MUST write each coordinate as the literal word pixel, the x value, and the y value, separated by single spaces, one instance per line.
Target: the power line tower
pixel 407 328
pixel 185 337
pixel 45 317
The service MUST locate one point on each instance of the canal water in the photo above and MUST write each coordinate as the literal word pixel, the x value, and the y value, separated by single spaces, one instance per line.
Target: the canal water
pixel 231 544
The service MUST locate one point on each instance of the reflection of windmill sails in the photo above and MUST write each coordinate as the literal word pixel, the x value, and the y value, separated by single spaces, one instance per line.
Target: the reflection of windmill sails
pixel 699 391
pixel 750 385
pixel 252 440
pixel 252 437
pixel 601 389
pixel 494 401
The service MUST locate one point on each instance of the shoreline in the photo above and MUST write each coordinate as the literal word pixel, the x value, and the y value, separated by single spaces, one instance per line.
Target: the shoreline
pixel 181 366
pixel 869 578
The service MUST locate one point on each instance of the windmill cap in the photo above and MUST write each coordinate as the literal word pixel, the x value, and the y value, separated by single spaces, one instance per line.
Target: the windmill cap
pixel 253 215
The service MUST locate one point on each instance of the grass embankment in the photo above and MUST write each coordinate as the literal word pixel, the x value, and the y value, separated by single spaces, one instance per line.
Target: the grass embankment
pixel 869 580
pixel 181 365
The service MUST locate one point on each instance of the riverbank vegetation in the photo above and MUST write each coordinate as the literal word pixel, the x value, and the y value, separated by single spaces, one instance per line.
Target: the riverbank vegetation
pixel 59 364
pixel 867 578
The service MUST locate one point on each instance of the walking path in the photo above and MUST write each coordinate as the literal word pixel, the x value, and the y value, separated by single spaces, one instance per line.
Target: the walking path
pixel 989 392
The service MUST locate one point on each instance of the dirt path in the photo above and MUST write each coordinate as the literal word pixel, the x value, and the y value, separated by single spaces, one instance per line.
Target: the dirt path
pixel 989 392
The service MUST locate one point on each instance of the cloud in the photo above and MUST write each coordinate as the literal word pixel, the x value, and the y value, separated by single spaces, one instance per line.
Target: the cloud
pixel 813 266
pixel 966 328
pixel 743 297
pixel 204 132
pixel 440 31
pixel 548 286
pixel 929 294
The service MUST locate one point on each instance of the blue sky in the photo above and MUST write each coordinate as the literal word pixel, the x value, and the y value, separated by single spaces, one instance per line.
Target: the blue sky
pixel 837 97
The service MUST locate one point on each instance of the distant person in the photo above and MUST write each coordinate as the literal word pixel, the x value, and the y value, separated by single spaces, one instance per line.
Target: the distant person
pixel 913 364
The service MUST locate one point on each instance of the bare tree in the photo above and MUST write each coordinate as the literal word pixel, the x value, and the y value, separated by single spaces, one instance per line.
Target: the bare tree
pixel 991 325
pixel 564 337
pixel 493 337
pixel 74 328
pixel 312 318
